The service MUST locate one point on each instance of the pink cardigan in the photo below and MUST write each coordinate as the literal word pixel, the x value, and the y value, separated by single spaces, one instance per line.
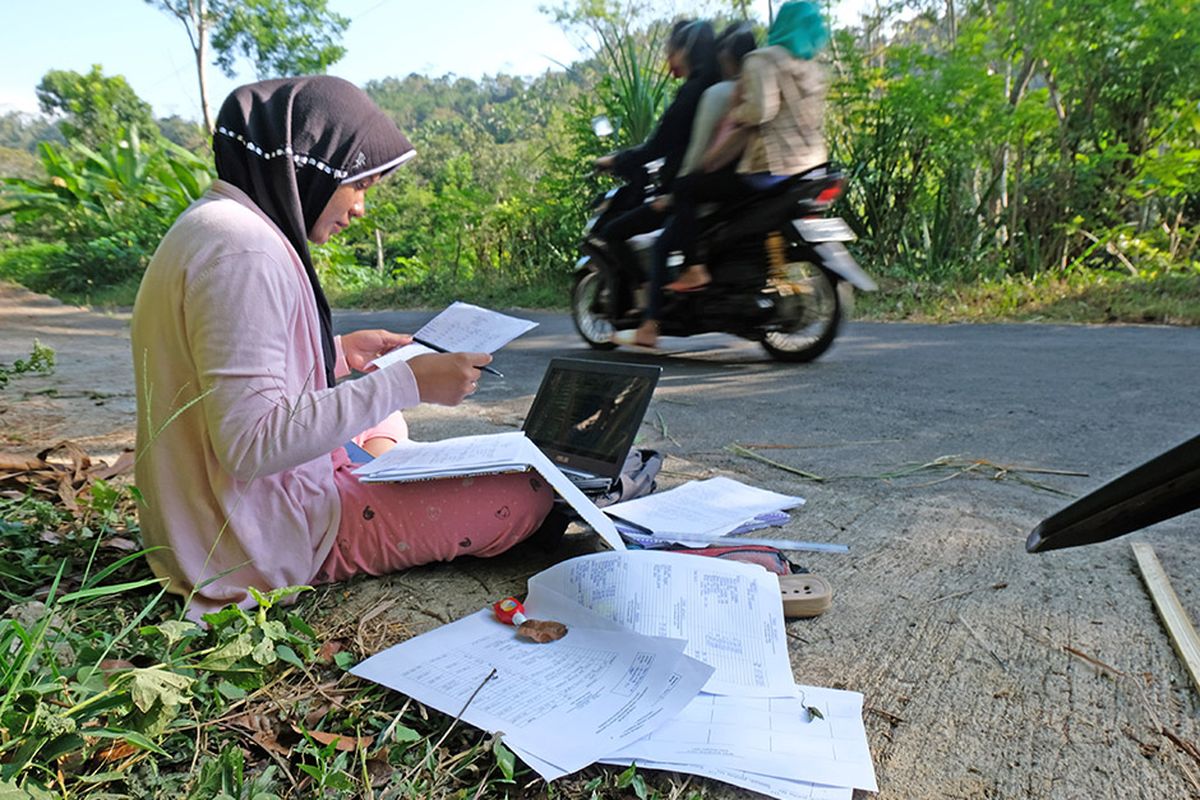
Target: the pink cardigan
pixel 235 423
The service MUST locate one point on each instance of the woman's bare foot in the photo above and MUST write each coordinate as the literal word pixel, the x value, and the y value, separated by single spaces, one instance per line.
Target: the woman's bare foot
pixel 646 335
pixel 378 445
pixel 692 279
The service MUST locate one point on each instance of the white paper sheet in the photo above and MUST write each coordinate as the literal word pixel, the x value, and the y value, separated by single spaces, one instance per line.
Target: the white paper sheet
pixel 731 614
pixel 710 507
pixel 477 455
pixel 768 736
pixel 763 784
pixel 402 354
pixel 462 328
pixel 607 688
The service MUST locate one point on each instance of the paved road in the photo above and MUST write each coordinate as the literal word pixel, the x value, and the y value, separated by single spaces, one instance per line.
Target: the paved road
pixel 973 656
pixel 1096 399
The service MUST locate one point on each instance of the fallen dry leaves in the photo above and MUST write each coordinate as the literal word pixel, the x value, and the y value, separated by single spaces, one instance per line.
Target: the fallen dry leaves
pixel 61 472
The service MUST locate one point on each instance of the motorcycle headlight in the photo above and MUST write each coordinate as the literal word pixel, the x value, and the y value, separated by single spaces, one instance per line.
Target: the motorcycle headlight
pixel 591 223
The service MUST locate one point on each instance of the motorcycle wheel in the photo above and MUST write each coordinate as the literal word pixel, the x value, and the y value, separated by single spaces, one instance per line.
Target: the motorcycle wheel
pixel 818 314
pixel 594 328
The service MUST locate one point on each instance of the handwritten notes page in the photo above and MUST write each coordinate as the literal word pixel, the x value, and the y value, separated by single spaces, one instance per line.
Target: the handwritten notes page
pixel 730 613
pixel 481 455
pixel 608 688
pixel 701 508
pixel 462 328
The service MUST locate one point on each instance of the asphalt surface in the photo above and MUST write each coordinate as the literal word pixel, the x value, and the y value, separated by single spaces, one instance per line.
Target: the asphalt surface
pixel 1086 398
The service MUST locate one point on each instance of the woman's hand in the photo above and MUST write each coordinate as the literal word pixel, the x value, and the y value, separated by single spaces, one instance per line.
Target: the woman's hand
pixel 363 347
pixel 727 148
pixel 662 203
pixel 446 378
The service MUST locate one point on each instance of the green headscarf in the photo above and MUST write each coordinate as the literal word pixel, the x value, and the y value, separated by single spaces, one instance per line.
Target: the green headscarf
pixel 799 28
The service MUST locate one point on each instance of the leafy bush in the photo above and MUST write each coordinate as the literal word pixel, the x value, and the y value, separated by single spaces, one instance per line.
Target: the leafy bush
pixel 108 208
pixel 21 263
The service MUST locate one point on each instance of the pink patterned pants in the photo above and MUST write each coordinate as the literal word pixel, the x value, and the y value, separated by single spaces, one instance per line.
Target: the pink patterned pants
pixel 387 527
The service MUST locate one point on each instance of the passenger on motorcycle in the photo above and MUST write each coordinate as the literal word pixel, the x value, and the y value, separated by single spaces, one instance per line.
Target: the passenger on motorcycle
pixel 732 46
pixel 777 129
pixel 690 55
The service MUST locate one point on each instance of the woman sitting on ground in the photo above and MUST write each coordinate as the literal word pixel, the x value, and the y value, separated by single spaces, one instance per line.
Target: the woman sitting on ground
pixel 777 128
pixel 241 421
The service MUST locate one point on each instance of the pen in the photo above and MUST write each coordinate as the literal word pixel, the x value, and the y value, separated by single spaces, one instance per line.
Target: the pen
pixel 733 541
pixel 438 349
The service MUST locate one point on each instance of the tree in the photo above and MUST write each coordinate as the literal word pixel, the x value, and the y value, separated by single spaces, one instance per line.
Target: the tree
pixel 183 132
pixel 280 37
pixel 95 107
pixel 24 131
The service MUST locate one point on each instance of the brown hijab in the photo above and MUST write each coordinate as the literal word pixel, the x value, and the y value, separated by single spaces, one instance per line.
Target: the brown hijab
pixel 290 143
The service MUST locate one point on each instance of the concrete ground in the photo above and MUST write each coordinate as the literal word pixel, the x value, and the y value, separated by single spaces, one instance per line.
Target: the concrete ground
pixel 988 672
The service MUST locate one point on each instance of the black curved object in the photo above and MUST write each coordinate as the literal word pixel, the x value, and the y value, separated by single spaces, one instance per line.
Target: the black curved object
pixel 1165 486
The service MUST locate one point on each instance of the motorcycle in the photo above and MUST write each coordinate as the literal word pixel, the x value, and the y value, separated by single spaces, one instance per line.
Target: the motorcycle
pixel 781 273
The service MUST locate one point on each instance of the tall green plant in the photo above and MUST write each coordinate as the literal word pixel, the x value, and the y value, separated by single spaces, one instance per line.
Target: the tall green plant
pixel 109 205
pixel 626 41
pixel 635 83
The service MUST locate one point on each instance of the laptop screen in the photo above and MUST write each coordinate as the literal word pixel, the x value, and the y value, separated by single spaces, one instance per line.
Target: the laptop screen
pixel 586 413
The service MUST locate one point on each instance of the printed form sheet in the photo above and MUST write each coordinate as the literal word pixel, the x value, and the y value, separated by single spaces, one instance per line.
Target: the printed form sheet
pixel 606 687
pixel 730 614
pixel 768 736
pixel 710 507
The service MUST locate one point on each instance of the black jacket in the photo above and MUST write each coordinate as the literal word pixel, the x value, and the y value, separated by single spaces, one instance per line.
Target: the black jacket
pixel 670 139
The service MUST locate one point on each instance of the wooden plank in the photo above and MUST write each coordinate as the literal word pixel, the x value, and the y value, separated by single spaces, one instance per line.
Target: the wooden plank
pixel 1175 619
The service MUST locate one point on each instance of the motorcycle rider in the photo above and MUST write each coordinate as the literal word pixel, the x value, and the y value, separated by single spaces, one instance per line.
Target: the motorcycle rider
pixel 732 46
pixel 777 128
pixel 691 55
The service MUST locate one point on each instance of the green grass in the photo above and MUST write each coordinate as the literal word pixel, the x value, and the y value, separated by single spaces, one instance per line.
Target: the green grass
pixel 553 293
pixel 1084 297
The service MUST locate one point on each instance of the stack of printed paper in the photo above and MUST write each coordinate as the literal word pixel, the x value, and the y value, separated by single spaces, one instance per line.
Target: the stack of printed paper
pixel 671 661
pixel 701 511
pixel 751 725
pixel 634 533
pixel 608 688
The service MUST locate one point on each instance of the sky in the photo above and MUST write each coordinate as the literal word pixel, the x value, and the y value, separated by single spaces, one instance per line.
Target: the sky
pixel 386 38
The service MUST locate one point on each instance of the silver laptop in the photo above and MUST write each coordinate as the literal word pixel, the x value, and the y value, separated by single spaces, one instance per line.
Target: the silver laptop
pixel 586 415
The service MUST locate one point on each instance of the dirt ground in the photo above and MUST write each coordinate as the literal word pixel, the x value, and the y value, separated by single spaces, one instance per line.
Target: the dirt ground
pixel 89 398
pixel 987 673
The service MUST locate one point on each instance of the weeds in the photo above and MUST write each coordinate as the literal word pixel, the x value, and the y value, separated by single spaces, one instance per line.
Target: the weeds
pixel 40 362
pixel 1082 297
pixel 106 692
